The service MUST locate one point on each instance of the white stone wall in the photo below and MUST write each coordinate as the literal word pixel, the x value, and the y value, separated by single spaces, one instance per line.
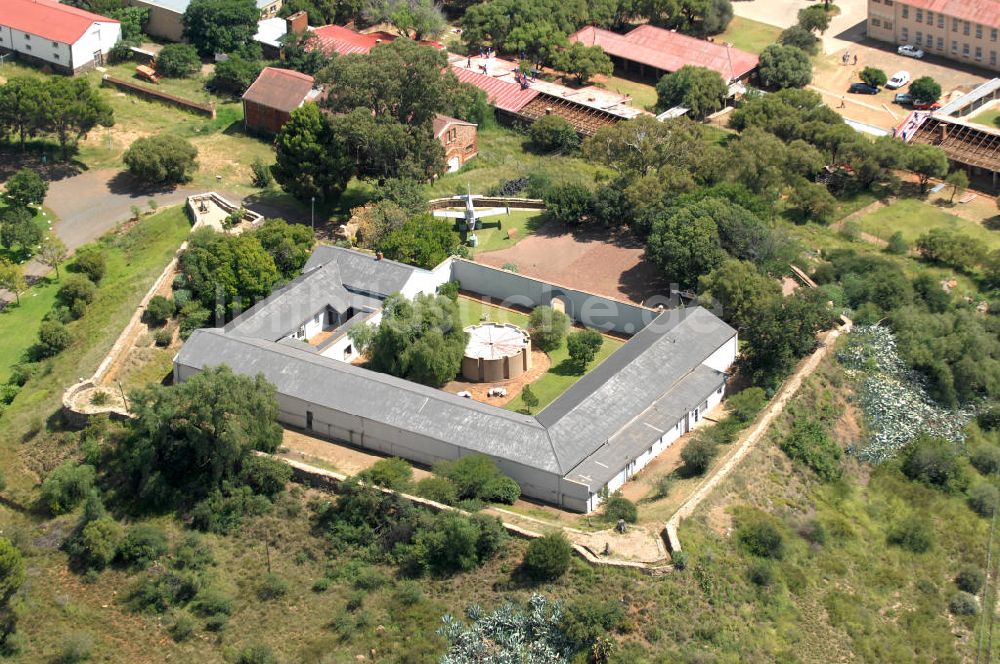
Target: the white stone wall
pixel 724 357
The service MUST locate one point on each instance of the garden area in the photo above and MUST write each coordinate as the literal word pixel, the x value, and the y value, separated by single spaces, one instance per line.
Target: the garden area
pixel 505 230
pixel 913 218
pixel 748 35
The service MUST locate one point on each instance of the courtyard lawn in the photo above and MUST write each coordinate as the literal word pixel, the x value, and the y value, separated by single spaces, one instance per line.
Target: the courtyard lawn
pixel 913 218
pixel 988 118
pixel 643 94
pixel 492 238
pixel 749 35
pixel 560 376
pixel 505 154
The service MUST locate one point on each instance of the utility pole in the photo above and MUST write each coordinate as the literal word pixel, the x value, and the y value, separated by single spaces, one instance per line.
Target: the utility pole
pixel 312 214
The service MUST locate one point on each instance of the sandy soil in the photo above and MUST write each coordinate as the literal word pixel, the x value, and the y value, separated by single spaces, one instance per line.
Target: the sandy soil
pixel 587 261
pixel 539 365
pixel 341 457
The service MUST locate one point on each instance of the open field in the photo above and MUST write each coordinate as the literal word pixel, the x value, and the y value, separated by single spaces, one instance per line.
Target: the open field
pixel 913 218
pixel 19 323
pixel 749 35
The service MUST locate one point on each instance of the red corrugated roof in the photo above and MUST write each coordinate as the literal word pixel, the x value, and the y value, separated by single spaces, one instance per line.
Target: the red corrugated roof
pixel 502 94
pixel 281 89
pixel 669 51
pixel 985 12
pixel 338 39
pixel 47 19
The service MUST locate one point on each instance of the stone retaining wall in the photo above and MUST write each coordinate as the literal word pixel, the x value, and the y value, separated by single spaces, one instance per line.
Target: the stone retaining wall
pixel 487 201
pixel 156 95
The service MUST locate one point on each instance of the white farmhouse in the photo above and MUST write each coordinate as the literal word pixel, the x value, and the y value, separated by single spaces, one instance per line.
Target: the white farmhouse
pixel 45 32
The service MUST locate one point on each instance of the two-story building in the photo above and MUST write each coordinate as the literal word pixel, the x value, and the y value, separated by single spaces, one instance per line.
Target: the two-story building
pixel 963 30
pixel 64 38
pixel 458 138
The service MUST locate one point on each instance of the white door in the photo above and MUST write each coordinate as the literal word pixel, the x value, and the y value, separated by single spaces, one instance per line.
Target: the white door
pixel 453 164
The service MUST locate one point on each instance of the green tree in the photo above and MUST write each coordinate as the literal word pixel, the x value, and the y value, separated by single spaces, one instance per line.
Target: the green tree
pixel 761 537
pixel 392 473
pixel 809 443
pixel 552 133
pixel 583 347
pixel 302 52
pixel 528 398
pixel 189 439
pixel 418 19
pixel 814 18
pixel 583 62
pixel 569 203
pixel 784 66
pixel 12 570
pixel 178 61
pixel 422 241
pixel 53 338
pixel 72 108
pixel 927 161
pixel 92 262
pixel 618 507
pixel 925 88
pixel 66 486
pixel 799 37
pixel 22 106
pixel 548 557
pixel 697 455
pixel 740 289
pixel 958 181
pixel 873 77
pixel 12 279
pixel 935 462
pixel 383 148
pixel 547 327
pixel 685 244
pixel 810 201
pixel 782 332
pixel 25 187
pixel 52 252
pixel 220 26
pixel 162 159
pixel 288 244
pixel 642 146
pixel 699 89
pixel 234 76
pixel 18 229
pixel 311 161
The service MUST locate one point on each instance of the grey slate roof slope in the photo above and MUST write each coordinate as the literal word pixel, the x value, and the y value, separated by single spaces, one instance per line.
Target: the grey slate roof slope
pixel 361 272
pixel 398 403
pixel 285 309
pixel 635 376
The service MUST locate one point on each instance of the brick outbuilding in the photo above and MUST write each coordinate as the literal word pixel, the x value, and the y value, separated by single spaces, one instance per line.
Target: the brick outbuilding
pixel 458 138
pixel 269 102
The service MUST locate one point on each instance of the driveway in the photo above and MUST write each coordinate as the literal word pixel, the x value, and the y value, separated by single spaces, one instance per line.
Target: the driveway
pixel 845 28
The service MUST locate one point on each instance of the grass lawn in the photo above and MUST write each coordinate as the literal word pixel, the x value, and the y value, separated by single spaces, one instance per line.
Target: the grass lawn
pixel 560 375
pixel 504 155
pixel 749 35
pixel 988 118
pixel 134 260
pixel 492 238
pixel 914 218
pixel 643 94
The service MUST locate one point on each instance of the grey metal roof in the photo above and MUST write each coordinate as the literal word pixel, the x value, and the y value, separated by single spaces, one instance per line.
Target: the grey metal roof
pixel 299 373
pixel 621 387
pixel 362 272
pixel 606 461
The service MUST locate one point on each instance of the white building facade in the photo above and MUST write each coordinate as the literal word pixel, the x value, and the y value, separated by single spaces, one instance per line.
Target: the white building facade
pixel 68 40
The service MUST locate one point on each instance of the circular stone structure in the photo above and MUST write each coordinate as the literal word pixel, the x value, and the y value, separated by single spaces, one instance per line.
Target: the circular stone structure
pixel 496 352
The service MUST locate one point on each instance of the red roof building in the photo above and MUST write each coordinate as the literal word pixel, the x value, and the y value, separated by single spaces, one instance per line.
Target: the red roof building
pixel 657 51
pixel 344 41
pixel 65 38
pixel 269 102
pixel 503 95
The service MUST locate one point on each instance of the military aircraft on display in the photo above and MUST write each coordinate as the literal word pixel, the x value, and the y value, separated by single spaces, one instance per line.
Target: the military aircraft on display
pixel 470 215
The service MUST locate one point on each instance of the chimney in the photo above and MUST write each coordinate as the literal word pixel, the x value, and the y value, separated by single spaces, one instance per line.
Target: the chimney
pixel 944 131
pixel 548 110
pixel 296 23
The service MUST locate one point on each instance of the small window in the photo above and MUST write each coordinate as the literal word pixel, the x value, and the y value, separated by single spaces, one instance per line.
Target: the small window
pixel 920 38
pixel 941 21
pixel 27 38
pixel 888 3
pixel 993 35
pixel 316 318
pixel 55 44
pixel 954 25
pixel 920 15
pixel 979 53
pixel 27 47
pixel 348 351
pixel 993 57
pixel 906 11
pixel 940 44
pixel 965 28
pixel 965 50
pixel 979 31
pixel 55 55
pixel 887 25
pixel 876 23
pixel 930 18
pixel 906 34
pixel 954 47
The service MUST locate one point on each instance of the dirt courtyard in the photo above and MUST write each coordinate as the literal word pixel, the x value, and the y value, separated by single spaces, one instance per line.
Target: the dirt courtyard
pixel 540 364
pixel 592 262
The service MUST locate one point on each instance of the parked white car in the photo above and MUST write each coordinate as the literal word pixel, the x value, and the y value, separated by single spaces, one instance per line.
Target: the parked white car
pixel 898 80
pixel 910 51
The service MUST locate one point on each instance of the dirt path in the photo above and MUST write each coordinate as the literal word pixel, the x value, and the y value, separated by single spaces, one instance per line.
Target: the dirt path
pixel 756 432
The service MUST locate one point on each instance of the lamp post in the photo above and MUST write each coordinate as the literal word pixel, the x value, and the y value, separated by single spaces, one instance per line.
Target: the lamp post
pixel 312 214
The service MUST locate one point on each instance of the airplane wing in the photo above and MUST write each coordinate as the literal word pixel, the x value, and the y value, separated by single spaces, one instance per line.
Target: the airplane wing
pixel 490 212
pixel 453 214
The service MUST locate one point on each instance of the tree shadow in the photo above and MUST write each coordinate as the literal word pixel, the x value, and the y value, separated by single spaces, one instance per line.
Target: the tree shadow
pixel 992 223
pixel 42 157
pixel 124 183
pixel 568 368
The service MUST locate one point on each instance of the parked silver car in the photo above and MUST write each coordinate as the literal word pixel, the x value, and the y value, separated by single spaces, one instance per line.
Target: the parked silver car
pixel 910 51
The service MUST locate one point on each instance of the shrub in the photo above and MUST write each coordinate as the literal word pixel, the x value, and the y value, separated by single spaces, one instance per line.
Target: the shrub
pixel 935 462
pixel 912 534
pixel 873 77
pixel 986 459
pixel 618 507
pixel 193 316
pixel 163 337
pixel 234 76
pixel 143 544
pixel 178 61
pixel 66 486
pixel 8 393
pixel 392 473
pixel 408 593
pixel 261 171
pixel 182 628
pixel 679 559
pixel 91 262
pixel 501 489
pixel 321 585
pixel 547 327
pixel 744 405
pixel 809 443
pixel 438 489
pixel 761 573
pixel 76 288
pixel 223 513
pixel 75 648
pixel 211 602
pixel 584 621
pixel 548 557
pixel 193 553
pixel 257 654
pixel 265 475
pixel 583 347
pixel 271 587
pixel 450 289
pixel 898 245
pixel 553 132
pixel 970 579
pixel 983 498
pixel 963 604
pixel 989 419
pixel 159 310
pixel 697 455
pixel 472 475
pixel 761 537
pixel 98 543
pixel 569 203
pixel 161 159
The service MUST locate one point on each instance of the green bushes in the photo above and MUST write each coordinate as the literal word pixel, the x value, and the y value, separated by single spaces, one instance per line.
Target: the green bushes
pixel 159 310
pixel 264 475
pixel 271 587
pixel 392 473
pixel 963 604
pixel 584 621
pixel 454 543
pixel 162 589
pixel 760 536
pixel 142 545
pixel 744 405
pixel 548 557
pixel 697 455
pixel 98 543
pixel 223 511
pixel 547 327
pixel 913 534
pixel 162 159
pixel 553 132
pixel 476 477
pixel 53 338
pixel 983 498
pixel 934 462
pixel 66 486
pixel 257 654
pixel 91 262
pixel 178 61
pixel 76 288
pixel 583 347
pixel 809 443
pixel 985 458
pixel 618 507
pixel 438 489
pixel 970 579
